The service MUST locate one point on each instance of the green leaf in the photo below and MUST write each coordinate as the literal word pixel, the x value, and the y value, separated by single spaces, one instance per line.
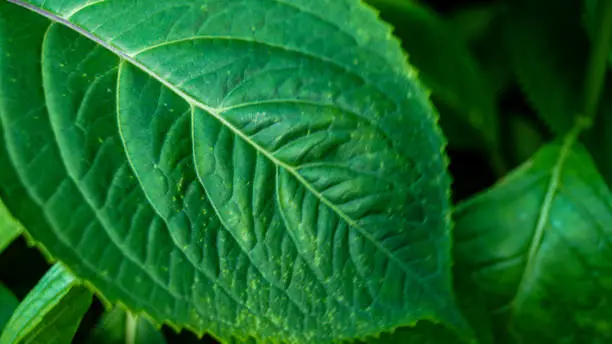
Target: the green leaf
pixel 591 19
pixel 446 66
pixel 21 205
pixel 8 303
pixel 537 246
pixel 51 312
pixel 544 41
pixel 549 51
pixel 10 229
pixel 491 53
pixel 524 138
pixel 270 170
pixel 473 22
pixel 119 327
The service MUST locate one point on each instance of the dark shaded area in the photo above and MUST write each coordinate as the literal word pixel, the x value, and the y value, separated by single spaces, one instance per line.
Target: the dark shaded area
pixel 185 337
pixel 21 267
pixel 445 6
pixel 89 322
pixel 470 172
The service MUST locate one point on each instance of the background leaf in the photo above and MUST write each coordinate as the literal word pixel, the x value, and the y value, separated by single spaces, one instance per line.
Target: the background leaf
pixel 537 246
pixel 550 50
pixel 485 39
pixel 8 303
pixel 543 42
pixel 118 327
pixel 51 312
pixel 265 196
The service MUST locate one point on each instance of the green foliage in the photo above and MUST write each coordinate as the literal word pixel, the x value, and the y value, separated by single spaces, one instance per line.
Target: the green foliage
pixel 8 303
pixel 273 171
pixel 543 42
pixel 51 312
pixel 440 52
pixel 119 327
pixel 9 228
pixel 538 247
pixel 232 168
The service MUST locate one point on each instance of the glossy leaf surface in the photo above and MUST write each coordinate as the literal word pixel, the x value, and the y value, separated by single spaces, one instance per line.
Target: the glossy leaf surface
pixel 243 169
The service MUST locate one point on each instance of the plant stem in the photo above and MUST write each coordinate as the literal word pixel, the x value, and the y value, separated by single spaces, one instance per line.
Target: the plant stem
pixel 130 328
pixel 598 60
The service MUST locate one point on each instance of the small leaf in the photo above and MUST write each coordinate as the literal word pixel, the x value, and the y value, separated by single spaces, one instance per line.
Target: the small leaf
pixel 8 304
pixel 51 312
pixel 10 229
pixel 537 246
pixel 119 327
pixel 446 66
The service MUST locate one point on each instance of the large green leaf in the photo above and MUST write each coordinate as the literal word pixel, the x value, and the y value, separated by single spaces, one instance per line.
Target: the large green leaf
pixel 8 303
pixel 267 170
pixel 51 312
pixel 119 327
pixel 538 248
pixel 448 68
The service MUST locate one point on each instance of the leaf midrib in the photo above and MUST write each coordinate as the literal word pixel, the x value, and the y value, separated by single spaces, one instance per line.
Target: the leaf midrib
pixel 544 217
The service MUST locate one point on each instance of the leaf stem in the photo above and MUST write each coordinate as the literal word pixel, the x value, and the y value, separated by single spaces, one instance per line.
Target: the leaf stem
pixel 598 60
pixel 130 328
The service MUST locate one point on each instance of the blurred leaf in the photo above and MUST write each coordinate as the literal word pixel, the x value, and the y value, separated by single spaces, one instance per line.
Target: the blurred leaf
pixel 538 247
pixel 446 66
pixel 549 50
pixel 590 19
pixel 51 312
pixel 473 22
pixel 473 305
pixel 525 139
pixel 8 303
pixel 119 327
pixel 10 229
pixel 492 55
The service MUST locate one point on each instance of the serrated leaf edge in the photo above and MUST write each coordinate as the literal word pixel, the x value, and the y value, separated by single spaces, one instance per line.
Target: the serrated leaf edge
pixel 443 179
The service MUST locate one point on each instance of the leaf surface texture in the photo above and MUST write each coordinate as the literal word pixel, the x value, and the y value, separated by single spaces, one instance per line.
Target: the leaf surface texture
pixel 265 170
pixel 537 247
pixel 51 312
